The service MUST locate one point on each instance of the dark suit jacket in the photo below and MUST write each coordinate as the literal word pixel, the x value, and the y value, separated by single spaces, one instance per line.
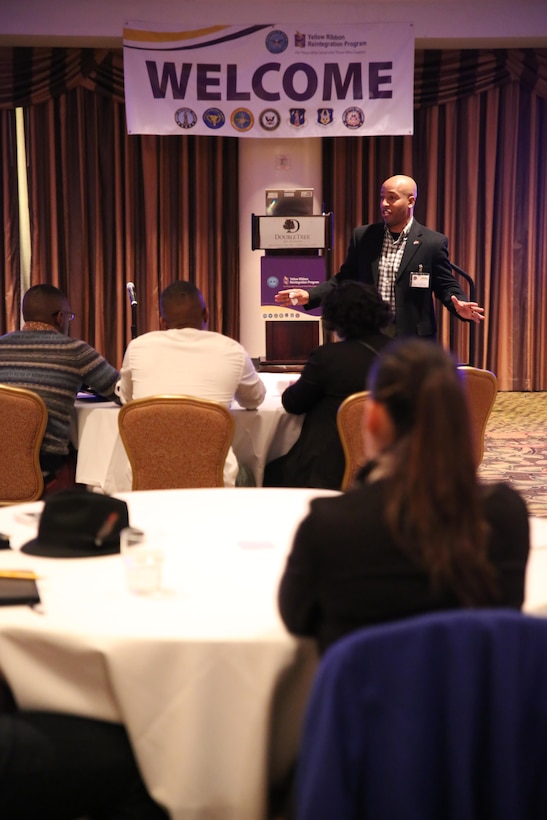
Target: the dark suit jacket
pixel 345 571
pixel 414 307
pixel 332 372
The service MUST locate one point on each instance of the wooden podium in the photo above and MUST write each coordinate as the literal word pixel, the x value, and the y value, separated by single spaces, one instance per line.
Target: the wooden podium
pixel 290 342
pixel 294 247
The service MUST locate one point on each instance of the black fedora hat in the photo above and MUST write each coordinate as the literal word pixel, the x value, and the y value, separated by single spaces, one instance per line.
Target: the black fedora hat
pixel 79 524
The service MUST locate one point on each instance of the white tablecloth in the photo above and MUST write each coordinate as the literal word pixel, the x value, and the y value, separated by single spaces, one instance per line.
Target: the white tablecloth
pixel 536 571
pixel 260 436
pixel 207 681
pixel 204 676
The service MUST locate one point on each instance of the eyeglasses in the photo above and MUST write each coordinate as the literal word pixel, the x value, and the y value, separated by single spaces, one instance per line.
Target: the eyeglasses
pixel 67 313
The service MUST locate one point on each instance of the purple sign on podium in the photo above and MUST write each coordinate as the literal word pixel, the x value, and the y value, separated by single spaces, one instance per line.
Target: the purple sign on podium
pixel 282 272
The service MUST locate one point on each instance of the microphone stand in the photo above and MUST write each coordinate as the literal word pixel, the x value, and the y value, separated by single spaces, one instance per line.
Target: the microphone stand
pixel 472 327
pixel 134 320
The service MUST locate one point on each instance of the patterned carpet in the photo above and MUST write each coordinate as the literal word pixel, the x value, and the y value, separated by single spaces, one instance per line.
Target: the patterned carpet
pixel 516 446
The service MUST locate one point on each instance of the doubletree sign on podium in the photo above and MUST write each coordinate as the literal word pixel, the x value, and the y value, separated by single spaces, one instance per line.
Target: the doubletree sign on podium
pixel 292 233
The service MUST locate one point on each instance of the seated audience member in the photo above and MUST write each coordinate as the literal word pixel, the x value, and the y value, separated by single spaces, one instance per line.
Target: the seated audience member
pixel 356 313
pixel 42 357
pixel 183 358
pixel 417 532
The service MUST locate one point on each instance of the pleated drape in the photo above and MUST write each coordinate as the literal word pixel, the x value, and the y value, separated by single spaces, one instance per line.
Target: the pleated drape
pixel 107 208
pixel 10 255
pixel 479 156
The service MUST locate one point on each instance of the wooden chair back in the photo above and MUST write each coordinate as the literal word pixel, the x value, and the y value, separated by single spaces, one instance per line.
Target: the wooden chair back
pixel 176 441
pixel 23 420
pixel 482 389
pixel 349 421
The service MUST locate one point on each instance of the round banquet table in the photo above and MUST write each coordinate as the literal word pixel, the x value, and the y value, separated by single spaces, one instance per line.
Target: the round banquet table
pixel 207 681
pixel 204 676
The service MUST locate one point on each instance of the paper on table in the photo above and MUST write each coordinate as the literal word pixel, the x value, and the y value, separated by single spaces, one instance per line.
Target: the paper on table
pixel 256 545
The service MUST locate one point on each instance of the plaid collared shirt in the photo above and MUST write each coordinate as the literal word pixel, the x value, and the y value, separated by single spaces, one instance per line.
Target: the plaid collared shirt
pixel 390 260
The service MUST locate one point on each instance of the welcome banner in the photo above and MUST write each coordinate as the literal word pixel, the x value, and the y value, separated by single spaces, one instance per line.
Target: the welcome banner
pixel 270 80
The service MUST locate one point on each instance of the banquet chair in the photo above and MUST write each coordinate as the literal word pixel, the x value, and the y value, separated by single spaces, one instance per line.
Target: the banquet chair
pixel 23 420
pixel 176 441
pixel 349 421
pixel 482 389
pixel 441 715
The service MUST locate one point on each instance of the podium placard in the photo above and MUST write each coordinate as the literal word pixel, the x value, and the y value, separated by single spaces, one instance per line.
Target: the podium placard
pixel 292 233
pixel 282 272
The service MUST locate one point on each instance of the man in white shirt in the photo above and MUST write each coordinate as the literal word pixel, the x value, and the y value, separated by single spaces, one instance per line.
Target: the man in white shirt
pixel 184 358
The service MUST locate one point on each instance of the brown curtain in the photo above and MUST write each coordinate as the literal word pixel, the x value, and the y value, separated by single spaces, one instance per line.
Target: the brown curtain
pixel 107 208
pixel 10 270
pixel 479 156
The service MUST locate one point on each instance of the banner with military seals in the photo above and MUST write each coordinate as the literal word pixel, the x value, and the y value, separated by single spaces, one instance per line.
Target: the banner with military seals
pixel 270 80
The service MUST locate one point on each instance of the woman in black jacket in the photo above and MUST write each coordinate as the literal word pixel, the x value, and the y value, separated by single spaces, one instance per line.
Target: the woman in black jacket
pixel 418 532
pixel 356 314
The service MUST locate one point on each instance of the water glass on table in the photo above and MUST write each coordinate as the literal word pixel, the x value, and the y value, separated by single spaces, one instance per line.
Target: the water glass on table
pixel 142 554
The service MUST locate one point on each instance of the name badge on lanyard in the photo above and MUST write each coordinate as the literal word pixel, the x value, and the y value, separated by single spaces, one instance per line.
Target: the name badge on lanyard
pixel 419 279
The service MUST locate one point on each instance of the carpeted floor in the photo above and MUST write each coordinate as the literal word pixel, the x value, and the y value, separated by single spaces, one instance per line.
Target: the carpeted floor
pixel 516 446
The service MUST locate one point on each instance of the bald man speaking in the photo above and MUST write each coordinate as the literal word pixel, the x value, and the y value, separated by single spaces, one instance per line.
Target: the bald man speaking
pixel 405 261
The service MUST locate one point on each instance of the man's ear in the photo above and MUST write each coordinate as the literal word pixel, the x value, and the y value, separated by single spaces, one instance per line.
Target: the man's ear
pixel 163 324
pixel 205 316
pixel 58 320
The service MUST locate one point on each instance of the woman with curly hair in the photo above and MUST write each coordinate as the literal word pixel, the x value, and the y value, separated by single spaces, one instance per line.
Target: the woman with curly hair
pixel 418 532
pixel 356 314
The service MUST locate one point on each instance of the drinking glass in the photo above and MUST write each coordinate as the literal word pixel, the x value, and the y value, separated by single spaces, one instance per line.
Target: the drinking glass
pixel 142 554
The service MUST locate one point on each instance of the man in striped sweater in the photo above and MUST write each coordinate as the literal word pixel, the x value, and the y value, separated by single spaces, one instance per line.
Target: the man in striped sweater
pixel 42 357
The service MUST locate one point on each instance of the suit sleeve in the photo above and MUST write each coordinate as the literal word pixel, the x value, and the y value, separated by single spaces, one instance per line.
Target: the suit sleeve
pixel 445 284
pixel 508 516
pixel 309 389
pixel 348 270
pixel 297 596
